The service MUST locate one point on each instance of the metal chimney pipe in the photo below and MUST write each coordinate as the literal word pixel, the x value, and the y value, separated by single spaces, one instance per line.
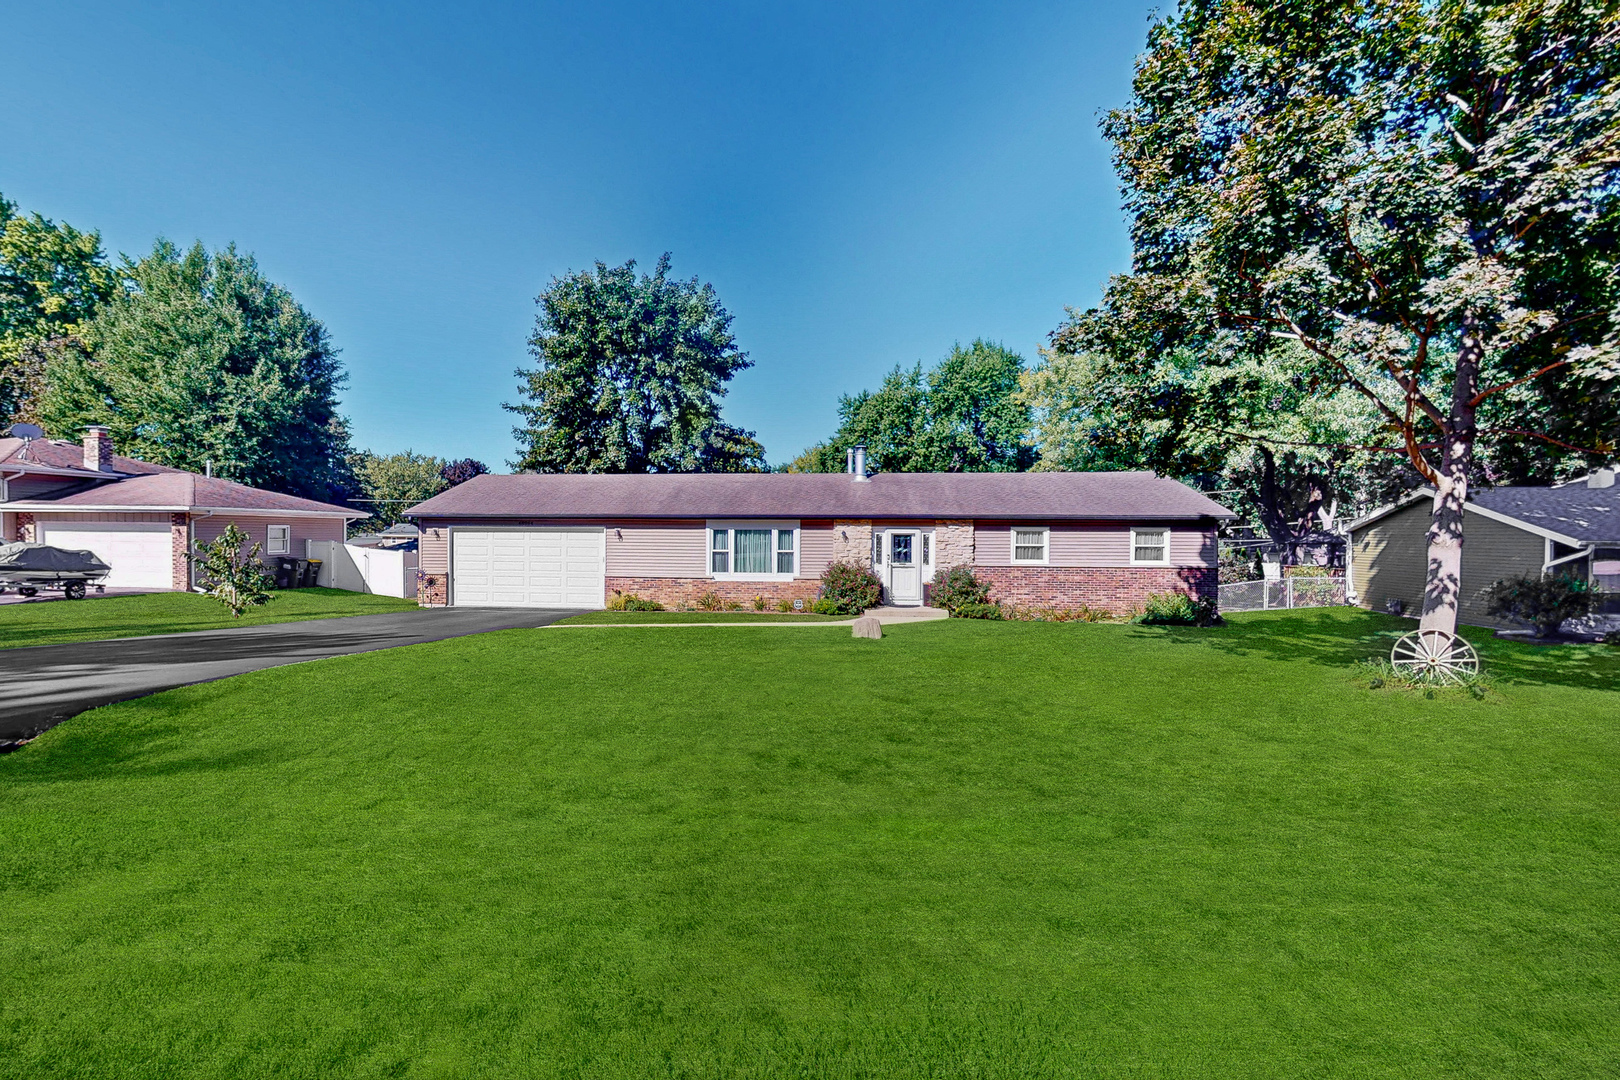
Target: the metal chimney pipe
pixel 860 463
pixel 849 460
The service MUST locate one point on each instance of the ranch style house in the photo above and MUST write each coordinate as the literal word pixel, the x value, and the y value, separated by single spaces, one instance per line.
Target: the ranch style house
pixel 1040 539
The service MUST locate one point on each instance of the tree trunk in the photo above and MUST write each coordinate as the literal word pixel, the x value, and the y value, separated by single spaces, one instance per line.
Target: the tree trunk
pixel 1443 588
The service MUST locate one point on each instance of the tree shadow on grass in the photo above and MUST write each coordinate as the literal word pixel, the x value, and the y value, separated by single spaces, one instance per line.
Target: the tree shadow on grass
pixel 1342 637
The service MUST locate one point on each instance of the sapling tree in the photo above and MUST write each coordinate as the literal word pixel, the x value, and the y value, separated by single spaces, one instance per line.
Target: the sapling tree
pixel 1413 201
pixel 231 575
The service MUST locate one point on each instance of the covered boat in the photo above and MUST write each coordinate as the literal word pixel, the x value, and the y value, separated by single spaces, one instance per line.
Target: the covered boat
pixel 31 567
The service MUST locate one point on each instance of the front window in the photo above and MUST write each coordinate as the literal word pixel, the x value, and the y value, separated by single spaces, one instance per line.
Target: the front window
pixel 278 540
pixel 1029 545
pixel 753 549
pixel 751 553
pixel 1150 546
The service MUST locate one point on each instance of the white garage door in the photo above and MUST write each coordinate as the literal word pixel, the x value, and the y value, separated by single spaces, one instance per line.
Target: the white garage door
pixel 137 551
pixel 540 568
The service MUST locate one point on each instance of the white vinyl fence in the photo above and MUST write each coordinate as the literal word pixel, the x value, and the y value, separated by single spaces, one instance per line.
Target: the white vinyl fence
pixel 1288 592
pixel 384 571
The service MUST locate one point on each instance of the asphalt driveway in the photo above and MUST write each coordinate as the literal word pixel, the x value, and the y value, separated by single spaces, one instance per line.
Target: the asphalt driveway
pixel 44 685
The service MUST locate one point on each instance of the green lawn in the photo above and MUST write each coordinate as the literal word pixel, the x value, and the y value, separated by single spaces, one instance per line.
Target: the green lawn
pixel 966 850
pixel 594 618
pixel 95 617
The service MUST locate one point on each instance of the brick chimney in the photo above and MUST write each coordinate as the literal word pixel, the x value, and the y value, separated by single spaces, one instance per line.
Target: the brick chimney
pixel 98 448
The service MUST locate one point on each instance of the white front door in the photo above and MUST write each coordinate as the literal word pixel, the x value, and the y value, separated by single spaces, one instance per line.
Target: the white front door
pixel 141 553
pixel 904 567
pixel 561 568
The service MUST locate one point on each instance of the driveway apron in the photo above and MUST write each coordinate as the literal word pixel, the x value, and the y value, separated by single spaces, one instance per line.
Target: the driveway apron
pixel 40 686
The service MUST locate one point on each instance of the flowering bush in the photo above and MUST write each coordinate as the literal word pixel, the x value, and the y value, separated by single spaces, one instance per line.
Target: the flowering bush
pixel 849 588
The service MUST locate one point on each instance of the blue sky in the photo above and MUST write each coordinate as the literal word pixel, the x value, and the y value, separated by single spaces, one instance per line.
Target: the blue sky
pixel 863 185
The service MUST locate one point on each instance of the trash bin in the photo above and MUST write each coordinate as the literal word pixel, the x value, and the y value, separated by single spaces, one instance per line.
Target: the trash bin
pixel 312 573
pixel 285 573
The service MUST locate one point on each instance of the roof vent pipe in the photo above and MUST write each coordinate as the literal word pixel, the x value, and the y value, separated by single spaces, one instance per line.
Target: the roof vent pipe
pixel 1600 478
pixel 849 460
pixel 860 463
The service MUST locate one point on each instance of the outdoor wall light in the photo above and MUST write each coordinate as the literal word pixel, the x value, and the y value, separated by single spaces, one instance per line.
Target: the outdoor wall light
pixel 618 534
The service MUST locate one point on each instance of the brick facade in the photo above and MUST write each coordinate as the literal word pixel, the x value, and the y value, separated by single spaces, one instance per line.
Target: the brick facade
pixel 25 528
pixel 179 540
pixel 673 592
pixel 1114 589
pixel 433 590
pixel 852 541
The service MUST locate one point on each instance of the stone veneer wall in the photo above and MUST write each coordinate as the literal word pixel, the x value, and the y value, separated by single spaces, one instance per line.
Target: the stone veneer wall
pixel 1114 589
pixel 179 543
pixel 953 544
pixel 852 541
pixel 672 592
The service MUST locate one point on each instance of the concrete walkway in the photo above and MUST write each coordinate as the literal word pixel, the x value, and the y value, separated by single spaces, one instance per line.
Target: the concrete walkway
pixel 885 615
pixel 40 686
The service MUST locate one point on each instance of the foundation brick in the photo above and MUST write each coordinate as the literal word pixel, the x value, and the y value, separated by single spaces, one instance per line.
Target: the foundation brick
pixel 432 590
pixel 1116 590
pixel 673 592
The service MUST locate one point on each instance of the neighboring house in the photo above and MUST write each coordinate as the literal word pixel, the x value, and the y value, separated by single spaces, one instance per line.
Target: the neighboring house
pixel 140 518
pixel 1046 539
pixel 1508 531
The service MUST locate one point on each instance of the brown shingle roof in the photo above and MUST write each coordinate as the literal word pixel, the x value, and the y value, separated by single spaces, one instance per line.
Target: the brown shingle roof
pixel 55 454
pixel 183 490
pixel 1033 495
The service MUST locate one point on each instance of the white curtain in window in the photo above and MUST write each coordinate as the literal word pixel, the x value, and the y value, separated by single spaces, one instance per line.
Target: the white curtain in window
pixel 1029 545
pixel 1150 546
pixel 752 551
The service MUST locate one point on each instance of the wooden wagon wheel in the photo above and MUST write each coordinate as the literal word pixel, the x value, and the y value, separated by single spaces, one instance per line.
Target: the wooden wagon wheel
pixel 1436 656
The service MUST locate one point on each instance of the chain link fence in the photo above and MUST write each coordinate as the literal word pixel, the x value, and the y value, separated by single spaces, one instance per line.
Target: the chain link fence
pixel 1288 592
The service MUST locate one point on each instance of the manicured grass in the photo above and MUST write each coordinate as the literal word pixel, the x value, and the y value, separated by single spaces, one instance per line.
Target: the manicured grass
pixel 608 617
pixel 95 618
pixel 966 850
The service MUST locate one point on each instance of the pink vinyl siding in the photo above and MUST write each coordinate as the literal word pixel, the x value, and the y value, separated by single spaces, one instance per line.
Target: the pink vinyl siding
pixel 206 529
pixel 815 547
pixel 657 549
pixel 1099 544
pixel 43 515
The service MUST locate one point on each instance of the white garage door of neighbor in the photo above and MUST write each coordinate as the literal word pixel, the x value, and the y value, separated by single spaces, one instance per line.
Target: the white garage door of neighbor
pixel 137 551
pixel 539 568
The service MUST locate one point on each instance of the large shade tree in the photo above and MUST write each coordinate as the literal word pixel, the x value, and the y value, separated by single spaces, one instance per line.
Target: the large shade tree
pixel 200 362
pixel 1280 452
pixel 52 279
pixel 391 483
pixel 1419 197
pixel 963 415
pixel 631 370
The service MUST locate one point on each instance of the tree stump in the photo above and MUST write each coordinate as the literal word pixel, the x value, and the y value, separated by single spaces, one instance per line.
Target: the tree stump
pixel 867 628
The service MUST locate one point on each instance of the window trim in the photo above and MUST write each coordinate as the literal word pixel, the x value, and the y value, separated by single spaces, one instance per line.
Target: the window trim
pixel 269 530
pixel 1046 545
pixel 1163 530
pixel 775 525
